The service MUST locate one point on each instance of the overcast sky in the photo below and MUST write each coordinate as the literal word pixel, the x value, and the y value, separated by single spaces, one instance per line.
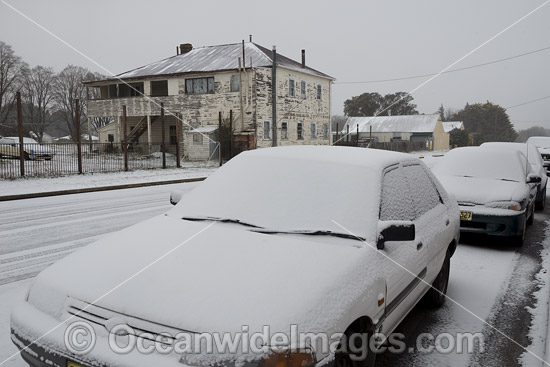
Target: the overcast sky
pixel 352 41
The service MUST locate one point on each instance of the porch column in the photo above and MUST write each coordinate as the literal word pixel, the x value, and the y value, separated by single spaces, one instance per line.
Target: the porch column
pixel 149 131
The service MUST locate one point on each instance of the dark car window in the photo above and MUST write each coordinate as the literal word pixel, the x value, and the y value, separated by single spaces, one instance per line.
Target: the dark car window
pixel 423 191
pixel 396 202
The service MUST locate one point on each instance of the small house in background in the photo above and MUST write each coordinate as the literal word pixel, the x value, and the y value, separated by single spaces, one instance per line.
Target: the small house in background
pixel 422 130
pixel 197 84
pixel 449 126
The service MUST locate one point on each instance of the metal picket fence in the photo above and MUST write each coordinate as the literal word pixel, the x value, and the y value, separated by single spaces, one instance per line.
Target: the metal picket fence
pixel 59 159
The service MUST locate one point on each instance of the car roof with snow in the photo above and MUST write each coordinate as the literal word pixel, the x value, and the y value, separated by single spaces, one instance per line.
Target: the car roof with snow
pixel 530 150
pixel 539 141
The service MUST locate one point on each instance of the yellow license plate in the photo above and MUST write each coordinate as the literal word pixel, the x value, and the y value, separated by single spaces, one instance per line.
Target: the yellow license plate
pixel 73 364
pixel 465 215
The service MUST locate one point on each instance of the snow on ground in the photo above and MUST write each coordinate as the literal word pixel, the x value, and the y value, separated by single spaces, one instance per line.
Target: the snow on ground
pixel 33 184
pixel 540 332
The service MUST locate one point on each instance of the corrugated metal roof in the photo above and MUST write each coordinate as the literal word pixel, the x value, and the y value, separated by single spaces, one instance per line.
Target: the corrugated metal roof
pixel 387 124
pixel 215 58
pixel 451 125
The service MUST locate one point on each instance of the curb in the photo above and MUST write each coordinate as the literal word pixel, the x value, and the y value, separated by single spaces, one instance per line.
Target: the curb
pixel 99 188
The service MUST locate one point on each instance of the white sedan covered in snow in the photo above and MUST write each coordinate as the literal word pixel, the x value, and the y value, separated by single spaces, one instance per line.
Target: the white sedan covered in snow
pixel 277 243
pixel 495 189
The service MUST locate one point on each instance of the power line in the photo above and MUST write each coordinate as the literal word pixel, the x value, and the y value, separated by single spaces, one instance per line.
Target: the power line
pixel 448 71
pixel 528 102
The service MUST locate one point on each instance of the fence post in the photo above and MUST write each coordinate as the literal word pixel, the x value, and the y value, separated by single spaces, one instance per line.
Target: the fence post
pixel 347 135
pixel 220 136
pixel 178 131
pixel 163 144
pixel 230 134
pixel 125 138
pixel 78 137
pixel 357 140
pixel 20 127
pixel 336 142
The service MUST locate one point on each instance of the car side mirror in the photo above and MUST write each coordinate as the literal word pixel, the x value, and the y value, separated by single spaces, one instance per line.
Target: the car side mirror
pixel 533 178
pixel 175 196
pixel 403 231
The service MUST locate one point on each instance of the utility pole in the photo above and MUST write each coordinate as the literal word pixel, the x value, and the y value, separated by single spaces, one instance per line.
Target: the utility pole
pixel 21 140
pixel 274 95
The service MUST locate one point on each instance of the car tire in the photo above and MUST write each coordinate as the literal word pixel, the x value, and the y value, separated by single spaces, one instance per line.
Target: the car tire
pixel 518 240
pixel 345 359
pixel 437 293
pixel 541 204
pixel 531 218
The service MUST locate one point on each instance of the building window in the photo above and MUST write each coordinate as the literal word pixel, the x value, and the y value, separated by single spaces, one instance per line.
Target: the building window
pixel 303 87
pixel 267 129
pixel 159 88
pixel 319 91
pixel 325 131
pixel 111 138
pixel 234 83
pixel 173 135
pixel 313 130
pixel 136 89
pixel 197 139
pixel 300 130
pixel 113 91
pixel 199 85
pixel 284 130
pixel 291 88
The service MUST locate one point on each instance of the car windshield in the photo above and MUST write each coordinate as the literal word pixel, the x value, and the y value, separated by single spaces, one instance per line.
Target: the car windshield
pixel 483 163
pixel 539 141
pixel 287 194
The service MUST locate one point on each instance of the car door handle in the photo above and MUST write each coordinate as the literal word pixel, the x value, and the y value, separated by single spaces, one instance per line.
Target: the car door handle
pixel 419 246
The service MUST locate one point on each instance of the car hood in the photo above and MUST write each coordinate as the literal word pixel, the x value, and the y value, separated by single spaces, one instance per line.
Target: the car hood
pixel 206 277
pixel 482 191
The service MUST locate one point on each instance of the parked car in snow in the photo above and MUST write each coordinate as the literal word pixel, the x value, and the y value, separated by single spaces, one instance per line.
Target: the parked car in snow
pixel 495 190
pixel 329 239
pixel 9 148
pixel 543 145
pixel 535 160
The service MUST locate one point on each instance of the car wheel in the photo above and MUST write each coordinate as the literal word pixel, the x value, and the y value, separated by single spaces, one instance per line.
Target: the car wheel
pixel 541 204
pixel 531 218
pixel 344 357
pixel 436 295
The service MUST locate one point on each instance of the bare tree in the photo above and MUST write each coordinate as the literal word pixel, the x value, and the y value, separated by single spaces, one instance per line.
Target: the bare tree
pixel 38 89
pixel 11 71
pixel 69 88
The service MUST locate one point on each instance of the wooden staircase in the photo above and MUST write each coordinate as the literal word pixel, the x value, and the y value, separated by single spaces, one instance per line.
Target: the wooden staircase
pixel 139 129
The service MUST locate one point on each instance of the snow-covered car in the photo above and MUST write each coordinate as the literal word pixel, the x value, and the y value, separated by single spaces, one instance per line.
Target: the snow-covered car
pixel 322 240
pixel 535 160
pixel 9 148
pixel 495 189
pixel 543 145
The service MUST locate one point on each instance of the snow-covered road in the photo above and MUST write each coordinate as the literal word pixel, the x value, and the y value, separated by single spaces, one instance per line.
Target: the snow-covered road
pixel 34 233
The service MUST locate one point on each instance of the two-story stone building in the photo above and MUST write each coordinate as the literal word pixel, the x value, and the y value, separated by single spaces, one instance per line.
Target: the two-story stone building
pixel 198 83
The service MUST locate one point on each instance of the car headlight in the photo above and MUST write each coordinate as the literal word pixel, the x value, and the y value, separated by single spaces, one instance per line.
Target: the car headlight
pixel 288 359
pixel 511 205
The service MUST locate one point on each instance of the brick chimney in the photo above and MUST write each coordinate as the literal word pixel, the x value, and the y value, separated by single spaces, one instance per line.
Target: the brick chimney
pixel 303 58
pixel 185 48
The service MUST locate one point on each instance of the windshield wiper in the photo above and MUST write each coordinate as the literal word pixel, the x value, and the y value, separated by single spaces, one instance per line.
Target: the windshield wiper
pixel 315 233
pixel 223 220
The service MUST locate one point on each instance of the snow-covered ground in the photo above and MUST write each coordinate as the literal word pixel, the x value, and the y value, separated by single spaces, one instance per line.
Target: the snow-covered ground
pixel 33 184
